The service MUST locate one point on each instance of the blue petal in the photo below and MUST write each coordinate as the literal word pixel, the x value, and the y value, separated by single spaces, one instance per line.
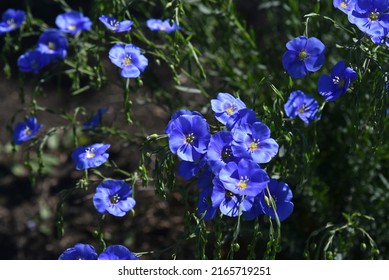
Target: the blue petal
pixel 314 63
pixel 130 71
pixel 116 54
pixel 124 26
pixel 314 47
pixel 297 44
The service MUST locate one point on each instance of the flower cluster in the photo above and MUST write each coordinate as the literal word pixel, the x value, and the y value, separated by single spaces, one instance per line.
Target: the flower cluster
pixel 128 57
pixel 305 55
pixel 228 162
pixel 52 43
pixel 370 16
pixel 87 252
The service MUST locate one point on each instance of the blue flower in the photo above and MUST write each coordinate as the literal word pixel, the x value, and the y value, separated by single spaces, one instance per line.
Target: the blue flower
pixel 226 106
pixel 219 151
pixel 115 25
pixel 117 252
pixel 302 105
pixel 33 61
pixel 114 197
pixel 26 130
pixel 333 85
pixel 303 55
pixel 11 20
pixel 371 17
pixel 53 43
pixel 79 252
pixel 244 177
pixel 96 120
pixel 73 22
pixel 228 202
pixel 346 6
pixel 282 196
pixel 253 141
pixel 189 137
pixel 90 156
pixel 159 25
pixel 129 58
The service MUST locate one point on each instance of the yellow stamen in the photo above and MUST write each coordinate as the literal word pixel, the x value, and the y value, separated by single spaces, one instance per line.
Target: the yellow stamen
pixel 51 46
pixel 243 182
pixel 343 5
pixel 127 61
pixel 302 55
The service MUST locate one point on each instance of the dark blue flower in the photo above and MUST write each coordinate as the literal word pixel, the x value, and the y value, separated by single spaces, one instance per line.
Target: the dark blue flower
pixel 129 58
pixel 162 25
pixel 189 169
pixel 253 141
pixel 204 207
pixel 333 85
pixel 219 150
pixel 114 197
pixel 96 120
pixel 244 177
pixel 303 55
pixel 226 106
pixel 73 22
pixel 26 130
pixel 117 252
pixel 229 203
pixel 11 20
pixel 189 137
pixel 282 196
pixel 79 252
pixel 90 156
pixel 346 6
pixel 371 17
pixel 53 43
pixel 115 25
pixel 204 180
pixel 33 61
pixel 302 105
